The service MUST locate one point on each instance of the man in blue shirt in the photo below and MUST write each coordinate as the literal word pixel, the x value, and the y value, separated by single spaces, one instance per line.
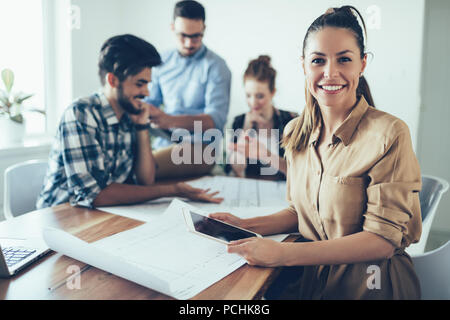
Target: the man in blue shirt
pixel 193 84
pixel 101 155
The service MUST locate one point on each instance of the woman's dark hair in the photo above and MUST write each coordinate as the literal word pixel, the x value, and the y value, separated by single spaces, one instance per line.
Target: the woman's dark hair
pixel 189 9
pixel 345 17
pixel 261 70
pixel 126 55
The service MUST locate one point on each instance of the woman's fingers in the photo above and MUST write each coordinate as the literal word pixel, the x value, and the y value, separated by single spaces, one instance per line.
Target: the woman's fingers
pixel 241 241
pixel 222 216
pixel 239 246
pixel 257 251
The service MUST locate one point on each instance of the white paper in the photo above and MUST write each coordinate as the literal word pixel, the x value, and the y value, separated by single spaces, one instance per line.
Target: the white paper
pixel 71 246
pixel 238 193
pixel 162 254
pixel 243 192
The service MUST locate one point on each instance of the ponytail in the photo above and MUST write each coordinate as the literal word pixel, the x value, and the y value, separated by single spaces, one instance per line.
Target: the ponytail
pixel 345 17
pixel 364 90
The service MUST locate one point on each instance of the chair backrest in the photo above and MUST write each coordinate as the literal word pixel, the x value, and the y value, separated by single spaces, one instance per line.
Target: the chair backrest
pixel 23 182
pixel 433 268
pixel 432 190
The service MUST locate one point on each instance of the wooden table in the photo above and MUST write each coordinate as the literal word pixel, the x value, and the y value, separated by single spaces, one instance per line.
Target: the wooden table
pixel 46 278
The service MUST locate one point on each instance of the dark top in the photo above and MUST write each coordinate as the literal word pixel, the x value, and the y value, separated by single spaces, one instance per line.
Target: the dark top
pixel 280 120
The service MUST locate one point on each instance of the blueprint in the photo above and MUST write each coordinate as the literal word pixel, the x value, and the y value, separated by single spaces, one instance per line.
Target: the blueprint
pixel 241 197
pixel 162 254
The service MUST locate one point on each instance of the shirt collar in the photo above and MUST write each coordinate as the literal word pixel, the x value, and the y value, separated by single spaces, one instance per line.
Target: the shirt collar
pixel 348 127
pixel 107 111
pixel 345 131
pixel 315 134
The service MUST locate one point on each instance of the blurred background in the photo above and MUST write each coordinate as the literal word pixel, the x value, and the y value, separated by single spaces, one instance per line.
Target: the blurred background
pixel 52 46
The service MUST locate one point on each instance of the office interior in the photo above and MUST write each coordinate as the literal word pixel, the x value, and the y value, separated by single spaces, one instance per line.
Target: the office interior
pixel 52 46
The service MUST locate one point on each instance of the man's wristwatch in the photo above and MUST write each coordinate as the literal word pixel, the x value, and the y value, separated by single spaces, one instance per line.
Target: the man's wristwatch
pixel 140 127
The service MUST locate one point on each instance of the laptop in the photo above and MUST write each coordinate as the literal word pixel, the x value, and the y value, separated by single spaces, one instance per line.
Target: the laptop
pixel 16 254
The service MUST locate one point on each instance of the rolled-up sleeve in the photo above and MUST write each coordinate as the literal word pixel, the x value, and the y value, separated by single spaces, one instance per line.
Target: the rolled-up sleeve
pixel 393 206
pixel 83 158
pixel 217 94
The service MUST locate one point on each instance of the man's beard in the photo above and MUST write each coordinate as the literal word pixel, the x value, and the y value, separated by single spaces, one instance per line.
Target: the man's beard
pixel 125 102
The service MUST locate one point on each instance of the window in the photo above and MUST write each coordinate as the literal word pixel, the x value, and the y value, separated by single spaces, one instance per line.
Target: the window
pixel 21 25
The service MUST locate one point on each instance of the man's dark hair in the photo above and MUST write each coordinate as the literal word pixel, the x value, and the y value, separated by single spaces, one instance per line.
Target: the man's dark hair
pixel 189 9
pixel 126 55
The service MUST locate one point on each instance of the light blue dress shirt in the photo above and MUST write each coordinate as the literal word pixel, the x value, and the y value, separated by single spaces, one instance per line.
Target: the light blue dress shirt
pixel 199 84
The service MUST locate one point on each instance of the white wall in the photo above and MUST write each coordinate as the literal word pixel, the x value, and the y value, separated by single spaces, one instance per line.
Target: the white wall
pixel 434 129
pixel 99 20
pixel 58 60
pixel 241 30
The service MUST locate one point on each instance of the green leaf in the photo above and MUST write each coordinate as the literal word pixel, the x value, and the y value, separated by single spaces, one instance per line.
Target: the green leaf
pixel 8 79
pixel 21 97
pixel 37 110
pixel 17 118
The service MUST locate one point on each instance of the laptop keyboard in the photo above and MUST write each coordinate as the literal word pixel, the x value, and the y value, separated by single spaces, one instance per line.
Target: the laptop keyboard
pixel 14 255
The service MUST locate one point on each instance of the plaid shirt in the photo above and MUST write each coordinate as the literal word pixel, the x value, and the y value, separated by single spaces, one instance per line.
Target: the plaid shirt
pixel 92 149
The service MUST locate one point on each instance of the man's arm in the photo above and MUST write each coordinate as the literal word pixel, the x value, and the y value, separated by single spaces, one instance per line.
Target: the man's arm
pixel 166 121
pixel 216 104
pixel 118 193
pixel 217 94
pixel 144 163
pixel 144 166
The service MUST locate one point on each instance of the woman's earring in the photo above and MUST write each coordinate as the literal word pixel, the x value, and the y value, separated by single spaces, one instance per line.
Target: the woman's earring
pixel 361 74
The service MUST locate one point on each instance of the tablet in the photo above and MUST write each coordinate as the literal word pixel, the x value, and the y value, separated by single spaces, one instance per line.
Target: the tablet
pixel 215 229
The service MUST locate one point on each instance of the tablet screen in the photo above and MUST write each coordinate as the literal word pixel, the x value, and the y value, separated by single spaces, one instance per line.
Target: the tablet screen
pixel 217 229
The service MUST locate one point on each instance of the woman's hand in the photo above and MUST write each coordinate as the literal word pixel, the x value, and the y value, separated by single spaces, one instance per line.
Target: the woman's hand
pixel 251 148
pixel 258 251
pixel 236 160
pixel 196 194
pixel 228 218
pixel 253 120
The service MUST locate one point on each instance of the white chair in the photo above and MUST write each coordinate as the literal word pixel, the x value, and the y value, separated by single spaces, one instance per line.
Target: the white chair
pixel 433 268
pixel 432 190
pixel 23 182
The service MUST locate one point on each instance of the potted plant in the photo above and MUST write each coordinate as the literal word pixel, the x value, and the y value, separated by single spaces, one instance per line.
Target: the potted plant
pixel 10 102
pixel 12 128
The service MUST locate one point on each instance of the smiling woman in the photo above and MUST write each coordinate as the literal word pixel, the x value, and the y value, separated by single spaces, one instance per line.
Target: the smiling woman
pixel 352 182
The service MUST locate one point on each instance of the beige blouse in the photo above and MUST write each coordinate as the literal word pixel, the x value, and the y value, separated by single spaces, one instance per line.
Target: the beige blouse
pixel 368 179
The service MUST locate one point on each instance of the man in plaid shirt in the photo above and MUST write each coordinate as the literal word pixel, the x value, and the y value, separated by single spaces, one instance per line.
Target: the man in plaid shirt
pixel 102 155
